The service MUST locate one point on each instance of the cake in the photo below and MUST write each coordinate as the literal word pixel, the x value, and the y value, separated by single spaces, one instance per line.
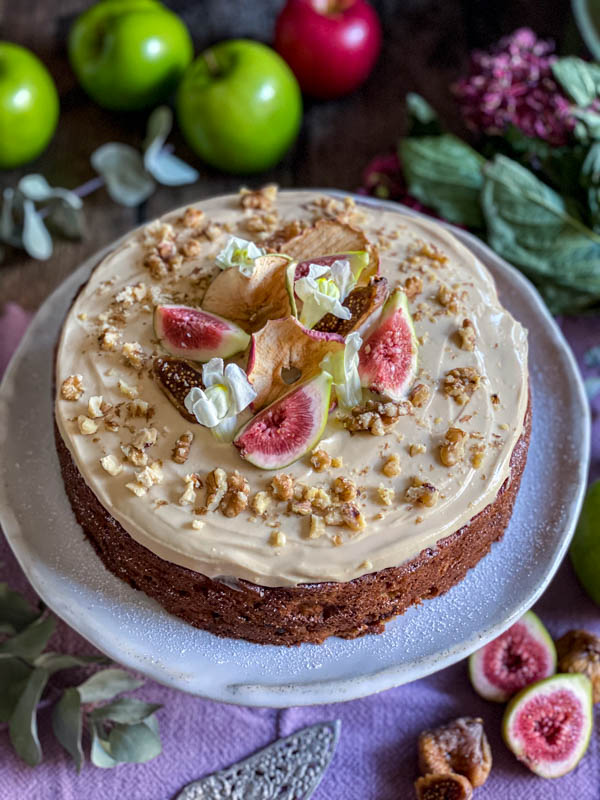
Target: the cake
pixel 384 474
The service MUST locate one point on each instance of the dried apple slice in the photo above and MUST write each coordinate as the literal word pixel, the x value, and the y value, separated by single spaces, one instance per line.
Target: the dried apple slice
pixel 364 302
pixel 251 300
pixel 285 348
pixel 325 236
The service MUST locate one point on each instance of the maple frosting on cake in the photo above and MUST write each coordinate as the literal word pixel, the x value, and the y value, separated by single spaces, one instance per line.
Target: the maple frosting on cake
pixel 471 377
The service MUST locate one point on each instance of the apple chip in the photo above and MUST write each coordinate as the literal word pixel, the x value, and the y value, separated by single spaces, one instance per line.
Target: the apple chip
pixel 329 236
pixel 283 353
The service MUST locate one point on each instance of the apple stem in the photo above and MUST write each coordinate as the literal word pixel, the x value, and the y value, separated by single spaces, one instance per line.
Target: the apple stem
pixel 211 62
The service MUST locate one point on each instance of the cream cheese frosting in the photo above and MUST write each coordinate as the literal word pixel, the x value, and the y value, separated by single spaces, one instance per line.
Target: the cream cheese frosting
pixel 114 308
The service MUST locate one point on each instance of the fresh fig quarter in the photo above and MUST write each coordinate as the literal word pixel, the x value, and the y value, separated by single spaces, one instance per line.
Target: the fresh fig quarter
pixel 196 334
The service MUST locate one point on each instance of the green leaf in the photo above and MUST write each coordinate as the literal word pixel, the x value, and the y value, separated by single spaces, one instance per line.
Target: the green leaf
pixel 444 173
pixel 160 163
pixel 35 187
pixel 104 685
pixel 57 661
pixel 588 127
pixel 579 79
pixel 65 220
pixel 67 724
pixel 30 642
pixel 14 674
pixel 561 300
pixel 422 118
pixel 23 720
pixel 36 239
pixel 134 744
pixel 528 223
pixel 15 611
pixel 126 709
pixel 100 749
pixel 122 168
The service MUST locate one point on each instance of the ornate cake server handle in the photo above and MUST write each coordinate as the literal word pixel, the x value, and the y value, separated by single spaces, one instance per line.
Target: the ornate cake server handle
pixel 289 769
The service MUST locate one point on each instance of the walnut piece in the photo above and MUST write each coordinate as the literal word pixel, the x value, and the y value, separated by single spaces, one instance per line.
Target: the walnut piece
pixel 259 198
pixel 348 514
pixel 109 339
pixel 448 786
pixel 181 451
pixel 72 387
pixel 320 460
pixel 188 498
pixel 216 486
pixel 134 455
pixel 127 390
pixel 460 383
pixel 111 465
pixel 150 475
pixel 283 486
pixel 447 298
pixel 278 539
pixel 579 651
pixel 86 425
pixel 425 494
pixel 235 498
pixel 95 404
pixel 416 449
pixel 133 354
pixel 317 527
pixel 419 395
pixel 467 336
pixel 458 746
pixel 145 437
pixel 191 248
pixel 385 495
pixel 374 416
pixel 193 217
pixel 392 467
pixel 344 488
pixel 260 503
pixel 453 448
pixel 413 286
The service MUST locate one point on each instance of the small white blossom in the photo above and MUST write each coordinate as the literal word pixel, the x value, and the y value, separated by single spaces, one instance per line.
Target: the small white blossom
pixel 239 253
pixel 227 391
pixel 323 291
pixel 343 367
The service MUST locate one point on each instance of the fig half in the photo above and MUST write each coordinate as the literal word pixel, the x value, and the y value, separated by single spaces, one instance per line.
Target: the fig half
pixel 548 725
pixel 388 357
pixel 290 427
pixel 523 654
pixel 196 334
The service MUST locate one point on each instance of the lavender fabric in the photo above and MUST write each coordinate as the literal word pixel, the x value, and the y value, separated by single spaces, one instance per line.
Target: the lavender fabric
pixel 376 756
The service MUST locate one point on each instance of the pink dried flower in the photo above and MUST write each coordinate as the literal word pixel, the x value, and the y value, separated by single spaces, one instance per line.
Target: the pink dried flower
pixel 513 85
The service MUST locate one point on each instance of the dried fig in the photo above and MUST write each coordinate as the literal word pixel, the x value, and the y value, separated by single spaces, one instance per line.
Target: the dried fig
pixel 459 746
pixel 448 786
pixel 579 651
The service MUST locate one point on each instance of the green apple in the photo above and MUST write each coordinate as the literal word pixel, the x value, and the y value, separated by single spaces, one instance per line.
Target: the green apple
pixel 239 106
pixel 28 106
pixel 129 54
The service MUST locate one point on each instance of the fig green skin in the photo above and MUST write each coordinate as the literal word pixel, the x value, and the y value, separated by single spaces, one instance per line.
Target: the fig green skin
pixel 129 54
pixel 233 341
pixel 538 631
pixel 582 687
pixel 585 548
pixel 239 106
pixel 29 106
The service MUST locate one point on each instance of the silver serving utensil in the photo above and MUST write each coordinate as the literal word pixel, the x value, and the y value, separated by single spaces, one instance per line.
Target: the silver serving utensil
pixel 289 769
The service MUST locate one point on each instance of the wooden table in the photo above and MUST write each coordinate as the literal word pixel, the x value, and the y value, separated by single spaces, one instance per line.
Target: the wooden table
pixel 426 43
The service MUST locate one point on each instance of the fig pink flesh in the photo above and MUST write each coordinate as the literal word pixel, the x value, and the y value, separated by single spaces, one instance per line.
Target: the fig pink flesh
pixel 192 329
pixel 387 356
pixel 549 726
pixel 515 659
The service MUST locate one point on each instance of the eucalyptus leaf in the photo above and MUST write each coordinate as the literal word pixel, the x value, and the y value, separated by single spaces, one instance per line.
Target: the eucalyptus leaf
pixel 15 610
pixel 126 709
pixel 528 223
pixel 67 724
pixel 592 387
pixel 579 79
pixel 591 356
pixel 35 187
pixel 122 168
pixel 65 220
pixel 57 661
pixel 588 125
pixel 23 720
pixel 160 163
pixel 134 744
pixel 100 749
pixel 104 685
pixel 14 674
pixel 444 173
pixel 36 239
pixel 422 118
pixel 152 723
pixel 30 641
pixel 590 169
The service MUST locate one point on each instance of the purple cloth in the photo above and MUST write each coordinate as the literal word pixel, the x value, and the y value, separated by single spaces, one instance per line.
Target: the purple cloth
pixel 376 756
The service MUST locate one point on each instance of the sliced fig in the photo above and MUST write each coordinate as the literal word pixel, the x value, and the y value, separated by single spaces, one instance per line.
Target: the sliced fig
pixel 388 357
pixel 458 746
pixel 548 725
pixel 363 302
pixel 290 427
pixel 250 300
pixel 176 377
pixel 284 348
pixel 328 236
pixel 196 334
pixel 446 786
pixel 523 654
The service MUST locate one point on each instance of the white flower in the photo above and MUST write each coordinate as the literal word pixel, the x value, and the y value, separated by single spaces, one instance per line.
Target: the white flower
pixel 343 367
pixel 323 290
pixel 239 253
pixel 226 392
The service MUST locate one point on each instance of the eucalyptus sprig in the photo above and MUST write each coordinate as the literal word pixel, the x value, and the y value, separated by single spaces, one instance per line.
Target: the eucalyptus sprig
pixel 121 729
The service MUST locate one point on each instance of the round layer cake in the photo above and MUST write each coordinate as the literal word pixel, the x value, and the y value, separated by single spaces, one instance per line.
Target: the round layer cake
pixel 399 498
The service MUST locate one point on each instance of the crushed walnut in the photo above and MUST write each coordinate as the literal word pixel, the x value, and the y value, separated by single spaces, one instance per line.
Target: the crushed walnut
pixel 72 387
pixel 150 475
pixel 344 488
pixel 419 395
pixel 466 334
pixel 111 465
pixel 235 499
pixel 283 486
pixel 278 539
pixel 460 383
pixel 127 391
pixel 95 404
pixel 374 416
pixel 258 198
pixel 133 354
pixel 413 286
pixel 317 527
pixel 138 408
pixel 448 299
pixel 385 495
pixel 86 425
pixel 109 339
pixel 134 293
pixel 320 460
pixel 422 493
pixel 216 486
pixel 392 467
pixel 188 498
pixel 348 514
pixel 453 448
pixel 192 248
pixel 134 455
pixel 192 218
pixel 145 437
pixel 181 451
pixel 416 449
pixel 260 503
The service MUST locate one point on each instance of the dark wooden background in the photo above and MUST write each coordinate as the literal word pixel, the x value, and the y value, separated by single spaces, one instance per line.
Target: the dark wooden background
pixel 426 43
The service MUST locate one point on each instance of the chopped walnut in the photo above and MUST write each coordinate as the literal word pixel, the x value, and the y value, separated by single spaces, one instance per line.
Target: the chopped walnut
pixel 145 437
pixel 127 390
pixel 301 507
pixel 477 453
pixel 216 486
pixel 413 286
pixel 447 298
pixel 150 475
pixel 447 786
pixel 320 460
pixel 72 387
pixel 495 400
pixel 191 248
pixel 235 498
pixel 466 334
pixel 579 651
pixel 197 524
pixel 156 265
pixel 137 489
pixel 424 494
pixel 289 231
pixel 392 467
pixel 337 462
pixel 111 418
pixel 416 449
pixel 317 527
pixel 134 455
pixel 212 231
pixel 453 448
pixel 460 746
pixel 460 383
pixel 348 514
pixel 109 339
pixel 278 539
pixel 262 223
pixel 95 407
pixel 344 488
pixel 419 395
pixel 86 425
pixel 111 465
pixel 260 503
pixel 283 486
pixel 385 495
pixel 374 416
pixel 138 408
pixel 131 294
pixel 133 354
pixel 188 498
pixel 259 198
pixel 193 217
pixel 181 451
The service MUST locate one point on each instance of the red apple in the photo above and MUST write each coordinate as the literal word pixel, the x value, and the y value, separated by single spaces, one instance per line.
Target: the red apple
pixel 331 45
